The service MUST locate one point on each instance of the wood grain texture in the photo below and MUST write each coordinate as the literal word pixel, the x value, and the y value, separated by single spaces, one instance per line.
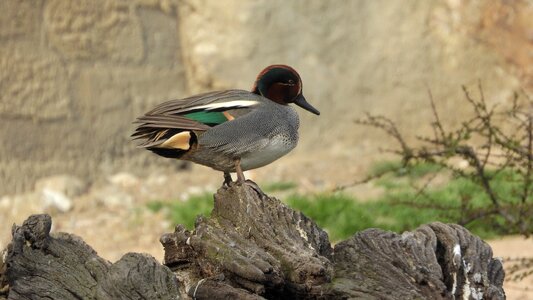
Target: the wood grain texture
pixel 255 247
pixel 255 244
pixel 62 266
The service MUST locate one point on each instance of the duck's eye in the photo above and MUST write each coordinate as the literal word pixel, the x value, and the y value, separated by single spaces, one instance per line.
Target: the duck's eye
pixel 291 81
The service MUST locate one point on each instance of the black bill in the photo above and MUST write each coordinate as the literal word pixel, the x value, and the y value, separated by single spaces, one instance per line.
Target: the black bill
pixel 301 102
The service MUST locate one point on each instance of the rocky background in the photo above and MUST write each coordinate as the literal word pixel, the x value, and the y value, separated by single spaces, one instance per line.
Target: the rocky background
pixel 75 74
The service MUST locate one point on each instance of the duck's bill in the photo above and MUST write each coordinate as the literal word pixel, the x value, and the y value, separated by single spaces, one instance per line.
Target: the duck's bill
pixel 301 102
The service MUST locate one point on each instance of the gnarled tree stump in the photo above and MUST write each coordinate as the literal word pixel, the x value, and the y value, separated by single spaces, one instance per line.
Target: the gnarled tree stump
pixel 62 266
pixel 255 247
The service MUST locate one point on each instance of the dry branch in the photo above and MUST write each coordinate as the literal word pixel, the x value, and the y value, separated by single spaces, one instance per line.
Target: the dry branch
pixel 493 142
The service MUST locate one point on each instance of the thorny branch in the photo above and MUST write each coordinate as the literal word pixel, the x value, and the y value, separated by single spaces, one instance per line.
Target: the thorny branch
pixel 493 141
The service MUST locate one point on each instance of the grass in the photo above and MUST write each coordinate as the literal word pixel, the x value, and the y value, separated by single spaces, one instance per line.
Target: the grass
pixel 398 209
pixel 184 212
pixel 278 187
pixel 342 216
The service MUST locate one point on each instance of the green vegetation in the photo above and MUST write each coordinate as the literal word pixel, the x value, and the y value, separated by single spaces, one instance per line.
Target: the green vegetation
pixel 279 187
pixel 493 185
pixel 184 212
pixel 402 205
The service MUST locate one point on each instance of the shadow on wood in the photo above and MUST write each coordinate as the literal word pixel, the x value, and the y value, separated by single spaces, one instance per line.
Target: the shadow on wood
pixel 255 247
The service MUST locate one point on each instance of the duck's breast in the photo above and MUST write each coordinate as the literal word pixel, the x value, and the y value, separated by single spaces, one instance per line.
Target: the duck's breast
pixel 277 146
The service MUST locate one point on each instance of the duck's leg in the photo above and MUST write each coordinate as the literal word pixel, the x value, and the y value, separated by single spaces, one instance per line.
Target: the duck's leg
pixel 227 179
pixel 242 180
pixel 240 173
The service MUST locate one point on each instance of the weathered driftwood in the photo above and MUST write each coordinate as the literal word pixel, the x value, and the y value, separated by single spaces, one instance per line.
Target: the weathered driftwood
pixel 62 266
pixel 254 243
pixel 257 243
pixel 255 247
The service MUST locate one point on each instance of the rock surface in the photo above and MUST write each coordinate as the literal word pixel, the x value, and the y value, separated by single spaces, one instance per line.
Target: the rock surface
pixel 67 185
pixel 75 74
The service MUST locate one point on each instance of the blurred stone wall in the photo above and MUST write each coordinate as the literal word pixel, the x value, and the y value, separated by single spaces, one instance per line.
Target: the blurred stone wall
pixel 75 74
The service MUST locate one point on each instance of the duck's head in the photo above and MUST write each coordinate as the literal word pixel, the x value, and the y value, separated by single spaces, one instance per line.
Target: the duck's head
pixel 282 84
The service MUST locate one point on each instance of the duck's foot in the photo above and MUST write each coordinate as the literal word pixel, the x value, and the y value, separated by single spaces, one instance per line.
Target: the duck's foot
pixel 240 179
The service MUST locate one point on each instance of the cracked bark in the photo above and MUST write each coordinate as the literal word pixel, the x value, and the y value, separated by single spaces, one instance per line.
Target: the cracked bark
pixel 61 266
pixel 255 247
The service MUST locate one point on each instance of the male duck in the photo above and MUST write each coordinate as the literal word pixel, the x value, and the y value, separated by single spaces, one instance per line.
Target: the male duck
pixel 229 131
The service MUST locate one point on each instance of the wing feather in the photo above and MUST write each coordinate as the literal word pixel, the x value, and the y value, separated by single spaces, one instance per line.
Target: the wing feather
pixel 220 100
pixel 164 121
pixel 197 114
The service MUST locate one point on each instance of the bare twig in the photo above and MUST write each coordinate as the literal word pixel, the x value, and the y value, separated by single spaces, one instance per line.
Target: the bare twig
pixel 506 149
pixel 437 123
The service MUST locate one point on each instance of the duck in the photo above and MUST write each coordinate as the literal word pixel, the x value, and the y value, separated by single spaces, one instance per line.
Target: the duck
pixel 231 130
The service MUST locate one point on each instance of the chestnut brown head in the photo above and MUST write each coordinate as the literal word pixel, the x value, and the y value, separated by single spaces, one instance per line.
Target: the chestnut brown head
pixel 283 85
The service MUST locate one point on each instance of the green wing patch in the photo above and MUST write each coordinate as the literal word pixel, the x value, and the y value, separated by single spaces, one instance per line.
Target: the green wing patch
pixel 207 117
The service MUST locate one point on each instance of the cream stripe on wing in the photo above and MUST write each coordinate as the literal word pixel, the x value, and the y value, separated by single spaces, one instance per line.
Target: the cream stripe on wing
pixel 230 104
